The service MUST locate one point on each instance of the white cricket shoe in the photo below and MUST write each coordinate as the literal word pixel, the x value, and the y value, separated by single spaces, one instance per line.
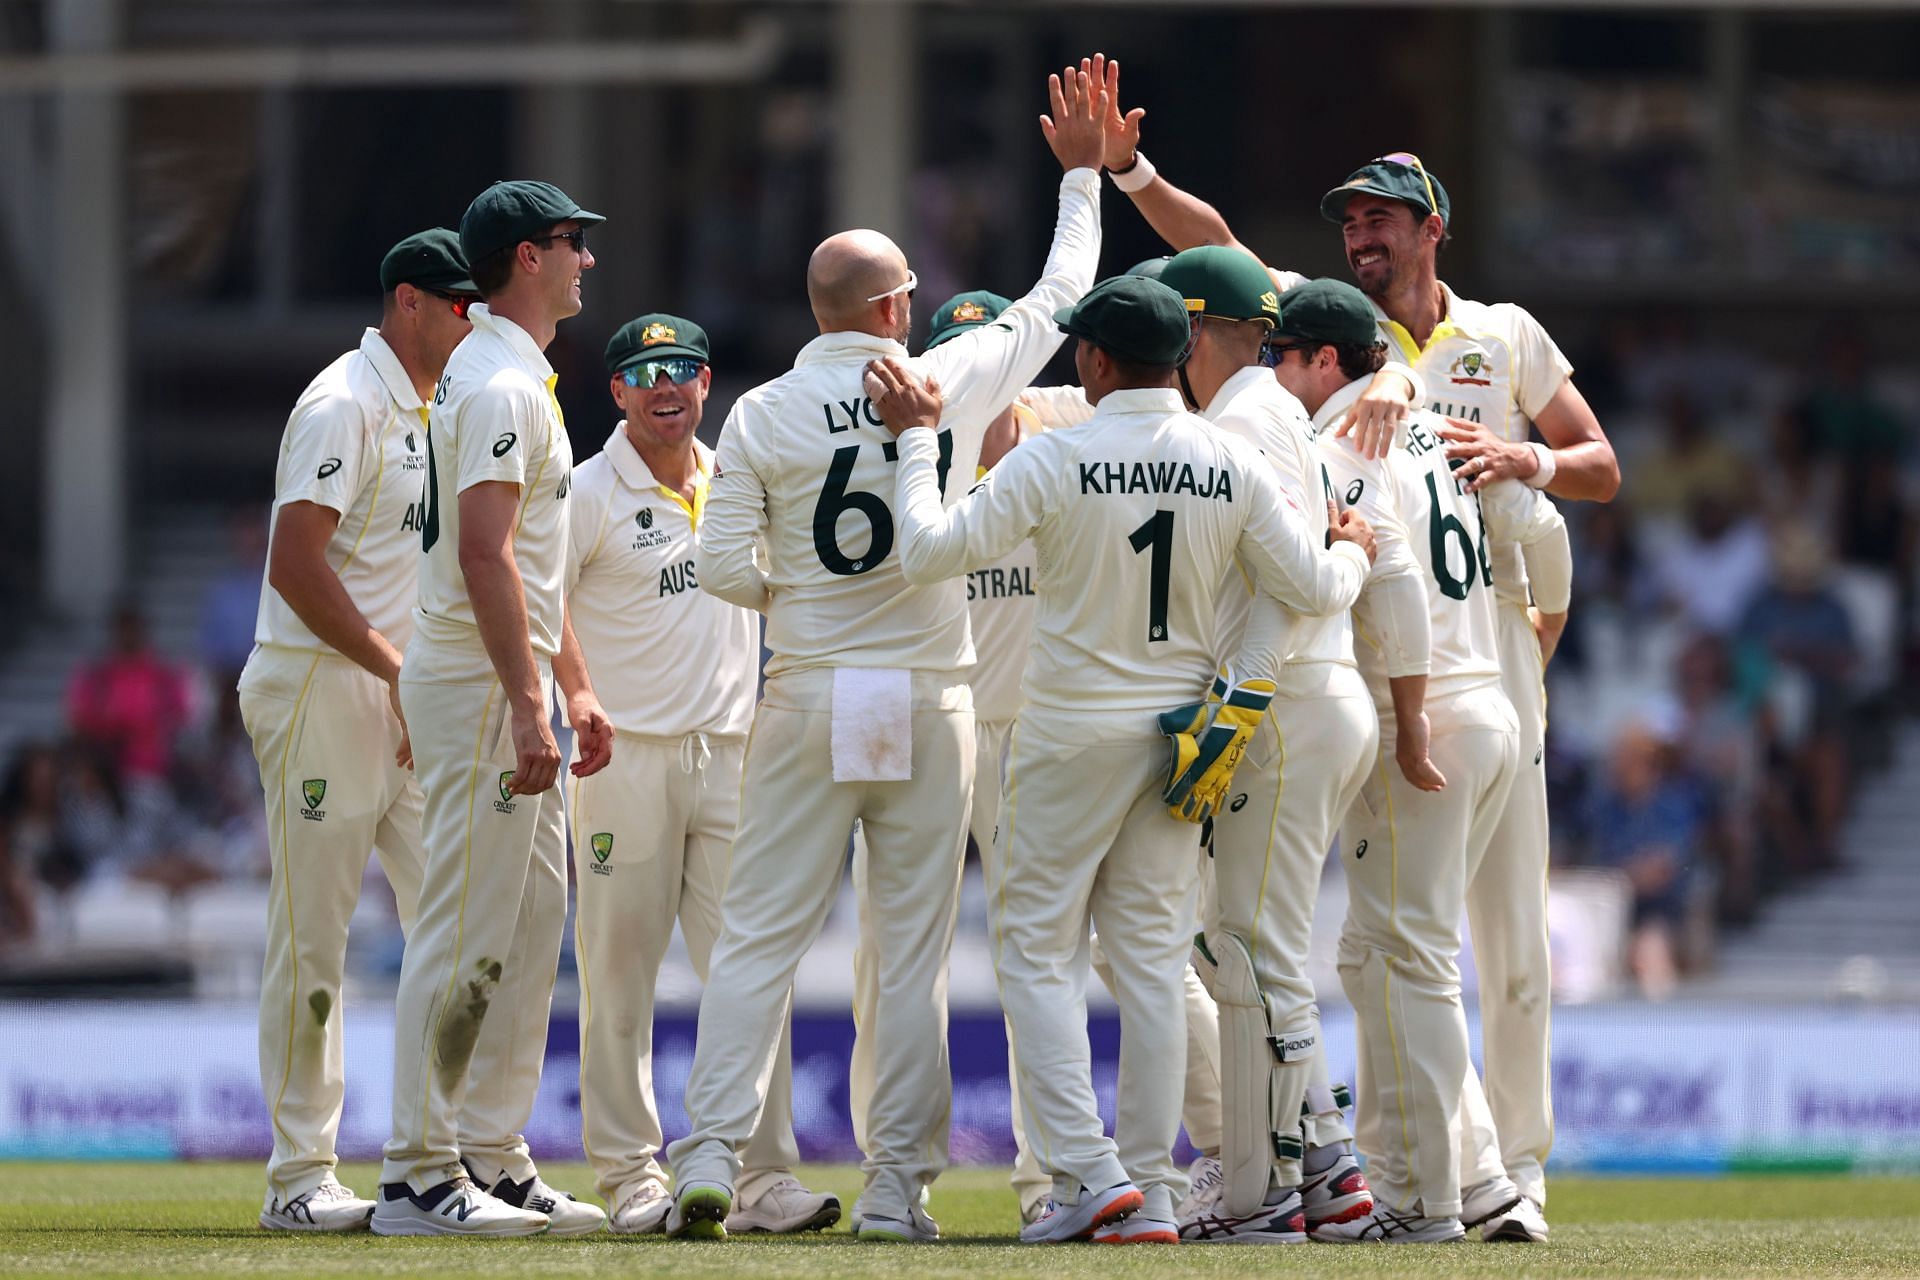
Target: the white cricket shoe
pixel 566 1216
pixel 700 1211
pixel 1525 1223
pixel 328 1207
pixel 642 1211
pixel 1336 1194
pixel 1489 1199
pixel 1063 1222
pixel 1281 1221
pixel 1138 1229
pixel 917 1229
pixel 456 1207
pixel 1387 1226
pixel 783 1208
pixel 1203 1188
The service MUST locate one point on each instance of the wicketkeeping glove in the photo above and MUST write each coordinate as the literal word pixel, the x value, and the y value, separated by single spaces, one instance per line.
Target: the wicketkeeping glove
pixel 1207 740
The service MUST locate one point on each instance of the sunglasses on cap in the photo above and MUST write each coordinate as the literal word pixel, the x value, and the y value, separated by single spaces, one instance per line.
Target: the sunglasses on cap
pixel 1412 161
pixel 459 301
pixel 913 282
pixel 680 370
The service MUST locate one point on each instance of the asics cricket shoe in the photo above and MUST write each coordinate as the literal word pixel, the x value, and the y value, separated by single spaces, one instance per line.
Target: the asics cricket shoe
pixel 641 1211
pixel 785 1207
pixel 1336 1194
pixel 456 1207
pixel 566 1216
pixel 1062 1222
pixel 1525 1223
pixel 700 1211
pixel 328 1207
pixel 1280 1221
pixel 1487 1200
pixel 1387 1226
pixel 1203 1188
pixel 917 1229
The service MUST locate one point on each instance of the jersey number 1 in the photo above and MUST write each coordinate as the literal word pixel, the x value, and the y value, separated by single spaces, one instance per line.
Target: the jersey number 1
pixel 1156 533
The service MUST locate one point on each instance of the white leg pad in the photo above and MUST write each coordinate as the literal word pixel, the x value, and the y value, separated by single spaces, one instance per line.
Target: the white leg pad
pixel 1263 1076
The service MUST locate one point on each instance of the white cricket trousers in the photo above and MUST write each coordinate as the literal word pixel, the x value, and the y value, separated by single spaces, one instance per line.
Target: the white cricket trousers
pixel 485 946
pixel 1084 838
pixel 652 835
pixel 1300 777
pixel 1507 910
pixel 325 738
pixel 788 860
pixel 1409 856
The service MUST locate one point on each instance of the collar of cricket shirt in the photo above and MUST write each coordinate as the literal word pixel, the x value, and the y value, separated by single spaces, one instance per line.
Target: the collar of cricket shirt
pixel 1161 400
pixel 1403 344
pixel 514 336
pixel 1243 380
pixel 392 373
pixel 637 475
pixel 848 344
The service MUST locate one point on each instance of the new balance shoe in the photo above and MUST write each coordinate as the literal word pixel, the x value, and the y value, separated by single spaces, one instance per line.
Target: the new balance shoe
pixel 566 1216
pixel 1203 1188
pixel 1386 1226
pixel 700 1211
pixel 1489 1199
pixel 456 1207
pixel 785 1207
pixel 328 1207
pixel 1524 1223
pixel 1336 1194
pixel 1138 1229
pixel 1062 1222
pixel 1280 1222
pixel 642 1210
pixel 918 1228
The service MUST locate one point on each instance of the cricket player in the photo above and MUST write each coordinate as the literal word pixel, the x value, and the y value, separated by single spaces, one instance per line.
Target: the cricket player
pixel 1418 831
pixel 679 671
pixel 1136 515
pixel 1497 376
pixel 866 713
pixel 320 698
pixel 491 636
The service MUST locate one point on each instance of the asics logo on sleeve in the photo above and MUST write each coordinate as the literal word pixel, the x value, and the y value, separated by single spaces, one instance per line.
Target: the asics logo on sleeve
pixel 504 443
pixel 327 468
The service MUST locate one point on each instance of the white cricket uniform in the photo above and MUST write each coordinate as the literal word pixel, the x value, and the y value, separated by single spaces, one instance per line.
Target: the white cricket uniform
pixel 325 738
pixel 676 670
pixel 1411 853
pixel 486 944
pixel 867 683
pixel 1134 515
pixel 1495 365
pixel 1302 770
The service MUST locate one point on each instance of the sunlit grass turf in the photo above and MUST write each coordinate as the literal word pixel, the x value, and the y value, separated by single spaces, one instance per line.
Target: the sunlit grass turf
pixel 198 1219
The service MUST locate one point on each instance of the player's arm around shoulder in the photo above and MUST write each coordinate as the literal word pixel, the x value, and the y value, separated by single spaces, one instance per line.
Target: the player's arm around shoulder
pixel 735 523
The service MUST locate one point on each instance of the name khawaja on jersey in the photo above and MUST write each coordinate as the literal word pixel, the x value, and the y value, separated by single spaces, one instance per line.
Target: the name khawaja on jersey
pixel 1155 477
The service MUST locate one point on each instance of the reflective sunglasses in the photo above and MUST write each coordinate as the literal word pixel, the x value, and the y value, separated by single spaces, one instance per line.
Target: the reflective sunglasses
pixel 576 237
pixel 680 369
pixel 459 301
pixel 1412 162
pixel 1272 353
pixel 913 282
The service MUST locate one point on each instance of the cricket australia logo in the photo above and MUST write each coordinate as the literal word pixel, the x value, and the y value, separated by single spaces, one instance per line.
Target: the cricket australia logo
pixel 602 845
pixel 505 803
pixel 313 791
pixel 1472 369
pixel 969 313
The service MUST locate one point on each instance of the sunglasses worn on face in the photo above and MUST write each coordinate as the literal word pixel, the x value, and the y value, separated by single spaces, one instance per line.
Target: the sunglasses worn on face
pixel 680 370
pixel 1272 353
pixel 913 282
pixel 459 301
pixel 576 237
pixel 1412 162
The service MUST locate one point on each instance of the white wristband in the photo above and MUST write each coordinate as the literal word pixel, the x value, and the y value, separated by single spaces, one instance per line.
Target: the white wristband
pixel 1543 477
pixel 1136 178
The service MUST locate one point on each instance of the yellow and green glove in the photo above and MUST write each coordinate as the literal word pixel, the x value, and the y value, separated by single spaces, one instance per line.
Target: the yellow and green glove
pixel 1207 740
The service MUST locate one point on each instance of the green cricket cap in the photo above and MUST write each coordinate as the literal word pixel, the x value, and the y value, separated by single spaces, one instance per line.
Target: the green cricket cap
pixel 1151 268
pixel 1327 311
pixel 655 336
pixel 962 312
pixel 508 212
pixel 1399 176
pixel 1135 318
pixel 1228 284
pixel 428 260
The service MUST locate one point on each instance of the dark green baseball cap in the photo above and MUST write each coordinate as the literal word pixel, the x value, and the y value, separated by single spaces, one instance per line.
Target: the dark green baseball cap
pixel 428 260
pixel 655 336
pixel 1328 310
pixel 1399 176
pixel 1133 317
pixel 1151 268
pixel 962 312
pixel 508 212
pixel 1228 284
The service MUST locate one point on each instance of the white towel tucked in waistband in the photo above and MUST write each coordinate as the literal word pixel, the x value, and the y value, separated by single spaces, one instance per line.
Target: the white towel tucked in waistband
pixel 872 724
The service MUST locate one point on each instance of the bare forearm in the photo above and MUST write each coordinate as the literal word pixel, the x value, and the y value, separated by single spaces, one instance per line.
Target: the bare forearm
pixel 500 611
pixel 570 667
pixel 1585 472
pixel 1179 217
pixel 1409 699
pixel 314 592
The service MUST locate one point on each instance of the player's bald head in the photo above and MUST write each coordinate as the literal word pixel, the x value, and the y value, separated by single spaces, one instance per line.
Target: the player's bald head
pixel 846 270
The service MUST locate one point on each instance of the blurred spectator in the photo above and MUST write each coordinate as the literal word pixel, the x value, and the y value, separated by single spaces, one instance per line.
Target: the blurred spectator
pixel 1711 569
pixel 1689 461
pixel 19 922
pixel 229 608
pixel 1646 819
pixel 130 703
pixel 1719 743
pixel 1843 415
pixel 48 839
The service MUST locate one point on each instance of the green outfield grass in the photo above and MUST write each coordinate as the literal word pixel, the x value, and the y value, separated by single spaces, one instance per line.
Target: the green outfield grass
pixel 198 1219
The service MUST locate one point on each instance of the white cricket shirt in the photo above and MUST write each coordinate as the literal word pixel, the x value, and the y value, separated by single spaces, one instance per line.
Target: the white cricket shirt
pixel 667 659
pixel 356 444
